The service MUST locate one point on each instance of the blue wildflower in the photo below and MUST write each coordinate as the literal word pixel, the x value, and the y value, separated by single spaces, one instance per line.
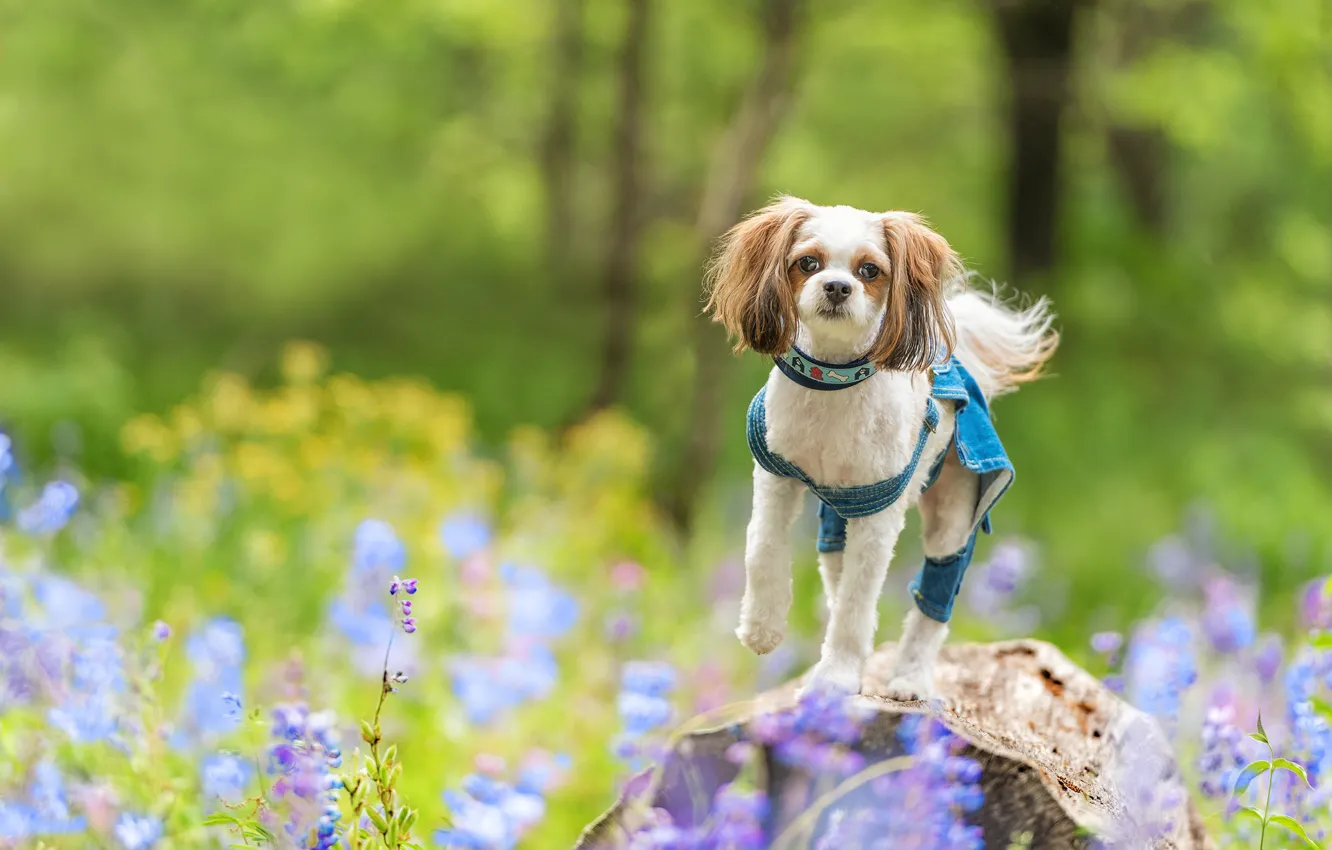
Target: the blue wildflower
pixel 641 701
pixel 6 457
pixel 52 510
pixel 216 652
pixel 377 549
pixel 368 624
pixel 641 714
pixel 649 678
pixel 138 832
pixel 224 777
pixel 1160 666
pixel 88 711
pixel 490 814
pixel 66 605
pixel 464 534
pixel 537 608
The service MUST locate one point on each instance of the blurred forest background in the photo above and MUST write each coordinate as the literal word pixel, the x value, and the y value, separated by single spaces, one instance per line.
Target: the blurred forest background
pixel 515 198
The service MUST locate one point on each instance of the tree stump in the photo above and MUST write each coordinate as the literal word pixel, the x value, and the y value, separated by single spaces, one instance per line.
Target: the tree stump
pixel 1063 758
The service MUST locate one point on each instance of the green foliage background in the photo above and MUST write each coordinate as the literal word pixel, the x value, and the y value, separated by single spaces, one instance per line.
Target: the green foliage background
pixel 188 184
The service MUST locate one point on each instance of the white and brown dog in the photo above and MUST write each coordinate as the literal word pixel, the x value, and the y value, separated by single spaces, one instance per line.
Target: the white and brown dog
pixel 885 358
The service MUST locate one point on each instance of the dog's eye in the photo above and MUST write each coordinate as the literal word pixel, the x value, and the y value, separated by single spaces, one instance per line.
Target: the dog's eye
pixel 868 271
pixel 808 265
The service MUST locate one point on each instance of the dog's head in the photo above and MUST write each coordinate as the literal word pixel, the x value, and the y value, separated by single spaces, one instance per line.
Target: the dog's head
pixel 846 275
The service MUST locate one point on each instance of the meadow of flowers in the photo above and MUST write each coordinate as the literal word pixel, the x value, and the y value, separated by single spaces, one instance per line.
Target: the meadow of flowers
pixel 320 615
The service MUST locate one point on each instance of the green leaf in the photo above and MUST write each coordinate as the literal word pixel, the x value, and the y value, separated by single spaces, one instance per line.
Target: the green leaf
pixel 377 819
pixel 1294 826
pixel 1261 730
pixel 1298 770
pixel 1322 640
pixel 255 831
pixel 1260 737
pixel 221 819
pixel 1322 706
pixel 1251 812
pixel 1251 773
pixel 367 732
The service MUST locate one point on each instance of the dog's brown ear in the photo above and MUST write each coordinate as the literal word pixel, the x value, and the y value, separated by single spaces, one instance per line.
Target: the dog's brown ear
pixel 748 282
pixel 917 323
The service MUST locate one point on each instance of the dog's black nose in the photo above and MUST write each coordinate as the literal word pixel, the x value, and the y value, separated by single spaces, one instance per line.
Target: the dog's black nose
pixel 836 291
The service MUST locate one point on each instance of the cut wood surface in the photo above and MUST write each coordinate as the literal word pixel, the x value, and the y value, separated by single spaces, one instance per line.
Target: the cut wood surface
pixel 1062 755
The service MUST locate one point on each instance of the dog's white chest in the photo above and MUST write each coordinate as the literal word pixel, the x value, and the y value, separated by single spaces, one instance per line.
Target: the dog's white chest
pixel 857 436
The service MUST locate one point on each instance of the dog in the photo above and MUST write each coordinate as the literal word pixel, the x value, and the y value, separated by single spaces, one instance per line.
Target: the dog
pixel 884 302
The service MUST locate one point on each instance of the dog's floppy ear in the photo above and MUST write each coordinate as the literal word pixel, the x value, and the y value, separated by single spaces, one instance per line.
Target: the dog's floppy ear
pixel 917 322
pixel 748 282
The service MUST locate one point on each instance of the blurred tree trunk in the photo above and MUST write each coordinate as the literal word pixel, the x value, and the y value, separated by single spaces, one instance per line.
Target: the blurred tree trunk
pixel 1140 155
pixel 619 274
pixel 732 177
pixel 1037 38
pixel 558 145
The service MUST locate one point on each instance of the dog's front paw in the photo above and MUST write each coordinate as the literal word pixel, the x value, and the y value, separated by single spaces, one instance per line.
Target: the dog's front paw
pixel 911 685
pixel 760 637
pixel 833 676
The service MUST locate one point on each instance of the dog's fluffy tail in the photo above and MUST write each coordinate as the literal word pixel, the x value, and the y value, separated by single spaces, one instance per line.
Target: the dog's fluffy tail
pixel 1002 345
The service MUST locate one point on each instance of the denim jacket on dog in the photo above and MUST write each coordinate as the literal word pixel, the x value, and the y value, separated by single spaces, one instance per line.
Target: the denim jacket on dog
pixel 978 448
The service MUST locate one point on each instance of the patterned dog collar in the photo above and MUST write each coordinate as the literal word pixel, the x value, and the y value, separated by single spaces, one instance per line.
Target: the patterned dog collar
pixel 817 375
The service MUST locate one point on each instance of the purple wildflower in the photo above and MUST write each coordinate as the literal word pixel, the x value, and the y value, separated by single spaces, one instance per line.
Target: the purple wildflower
pixel 1107 643
pixel 304 753
pixel 1267 659
pixel 1228 615
pixel 735 822
pixel 1174 563
pixel 161 631
pixel 1143 770
pixel 1222 757
pixel 1316 604
pixel 817 734
pixel 939 788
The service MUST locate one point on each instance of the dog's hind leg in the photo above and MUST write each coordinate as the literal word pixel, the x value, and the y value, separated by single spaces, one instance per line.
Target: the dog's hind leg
pixel 830 569
pixel 947 512
pixel 832 543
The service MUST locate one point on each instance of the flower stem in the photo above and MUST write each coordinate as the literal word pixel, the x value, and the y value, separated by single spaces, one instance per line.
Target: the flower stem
pixel 1267 806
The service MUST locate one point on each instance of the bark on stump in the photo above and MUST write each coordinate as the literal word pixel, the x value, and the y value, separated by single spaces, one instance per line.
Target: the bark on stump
pixel 1057 749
